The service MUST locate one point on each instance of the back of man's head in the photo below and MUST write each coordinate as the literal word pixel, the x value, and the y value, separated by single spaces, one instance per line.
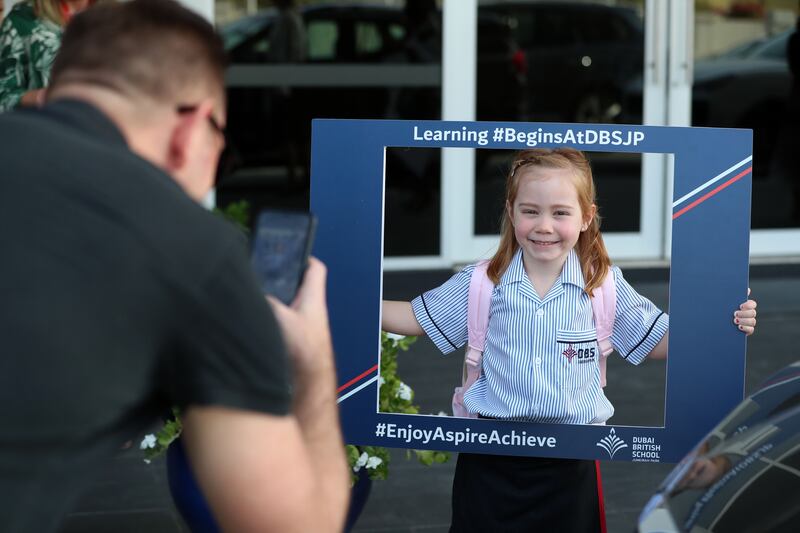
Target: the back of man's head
pixel 143 49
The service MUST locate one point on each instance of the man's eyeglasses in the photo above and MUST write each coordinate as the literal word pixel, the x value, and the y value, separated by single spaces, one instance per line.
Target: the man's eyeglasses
pixel 228 159
pixel 182 109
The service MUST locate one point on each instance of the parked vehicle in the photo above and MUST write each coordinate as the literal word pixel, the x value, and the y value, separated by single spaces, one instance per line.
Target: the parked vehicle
pixel 745 475
pixel 745 87
pixel 579 55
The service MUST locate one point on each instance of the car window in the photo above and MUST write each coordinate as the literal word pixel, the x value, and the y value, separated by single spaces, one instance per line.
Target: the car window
pixel 253 49
pixel 397 32
pixel 322 37
pixel 368 38
pixel 236 32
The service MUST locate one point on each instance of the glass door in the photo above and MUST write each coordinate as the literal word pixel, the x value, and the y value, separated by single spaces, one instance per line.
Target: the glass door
pixel 587 62
pixel 745 76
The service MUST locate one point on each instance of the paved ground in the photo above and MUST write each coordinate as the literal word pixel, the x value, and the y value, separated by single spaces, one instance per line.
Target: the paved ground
pixel 132 496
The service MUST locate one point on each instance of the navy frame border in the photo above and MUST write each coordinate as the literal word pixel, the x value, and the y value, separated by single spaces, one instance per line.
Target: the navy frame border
pixel 708 280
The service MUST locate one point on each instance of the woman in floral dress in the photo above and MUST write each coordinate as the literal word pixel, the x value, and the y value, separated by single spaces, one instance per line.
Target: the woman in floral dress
pixel 29 39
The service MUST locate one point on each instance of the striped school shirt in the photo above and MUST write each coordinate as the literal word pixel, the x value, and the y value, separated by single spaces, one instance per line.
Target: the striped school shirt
pixel 540 361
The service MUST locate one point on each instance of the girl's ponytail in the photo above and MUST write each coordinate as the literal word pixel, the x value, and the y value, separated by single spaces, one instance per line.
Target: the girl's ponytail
pixel 591 250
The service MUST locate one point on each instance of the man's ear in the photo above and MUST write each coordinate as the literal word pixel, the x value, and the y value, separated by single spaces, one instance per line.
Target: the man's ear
pixel 183 133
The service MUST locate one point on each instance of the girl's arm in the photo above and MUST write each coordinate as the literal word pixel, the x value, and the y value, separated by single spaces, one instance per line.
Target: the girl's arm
pixel 659 351
pixel 398 317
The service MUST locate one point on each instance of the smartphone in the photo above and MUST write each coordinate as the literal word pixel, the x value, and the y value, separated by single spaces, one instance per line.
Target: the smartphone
pixel 280 247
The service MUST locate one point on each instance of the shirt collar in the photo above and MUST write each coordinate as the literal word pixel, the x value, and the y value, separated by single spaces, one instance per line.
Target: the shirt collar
pixel 93 123
pixel 571 273
pixel 86 118
pixel 515 272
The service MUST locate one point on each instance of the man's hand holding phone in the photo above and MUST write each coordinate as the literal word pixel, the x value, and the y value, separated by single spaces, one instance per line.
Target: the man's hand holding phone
pixel 281 243
pixel 280 257
pixel 294 285
pixel 305 323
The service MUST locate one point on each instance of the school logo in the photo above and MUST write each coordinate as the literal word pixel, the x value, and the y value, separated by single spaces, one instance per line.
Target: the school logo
pixel 612 444
pixel 569 352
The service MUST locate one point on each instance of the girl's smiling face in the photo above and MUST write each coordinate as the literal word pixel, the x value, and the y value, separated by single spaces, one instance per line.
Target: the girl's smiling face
pixel 547 217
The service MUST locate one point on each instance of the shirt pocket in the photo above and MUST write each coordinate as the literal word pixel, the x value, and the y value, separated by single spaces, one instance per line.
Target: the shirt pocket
pixel 579 353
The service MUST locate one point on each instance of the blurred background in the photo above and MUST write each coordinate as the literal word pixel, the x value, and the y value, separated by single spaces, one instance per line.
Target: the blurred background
pixel 717 63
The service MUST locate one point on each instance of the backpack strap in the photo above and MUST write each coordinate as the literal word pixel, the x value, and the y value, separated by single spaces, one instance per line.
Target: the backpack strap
pixel 479 300
pixel 604 308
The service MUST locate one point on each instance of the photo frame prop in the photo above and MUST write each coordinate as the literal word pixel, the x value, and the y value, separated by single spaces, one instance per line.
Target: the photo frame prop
pixel 709 279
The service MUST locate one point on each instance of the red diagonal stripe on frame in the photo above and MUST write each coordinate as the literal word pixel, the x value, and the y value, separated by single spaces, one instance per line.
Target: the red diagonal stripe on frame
pixel 358 377
pixel 708 195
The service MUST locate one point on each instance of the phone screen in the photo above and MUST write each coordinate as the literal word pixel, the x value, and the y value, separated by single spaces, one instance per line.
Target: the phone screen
pixel 281 244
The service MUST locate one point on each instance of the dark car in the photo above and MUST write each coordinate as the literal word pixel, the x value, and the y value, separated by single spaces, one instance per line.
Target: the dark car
pixel 580 55
pixel 746 87
pixel 751 76
pixel 346 36
pixel 745 475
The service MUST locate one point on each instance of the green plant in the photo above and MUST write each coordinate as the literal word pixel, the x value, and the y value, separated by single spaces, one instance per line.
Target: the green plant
pixel 155 444
pixel 236 212
pixel 394 397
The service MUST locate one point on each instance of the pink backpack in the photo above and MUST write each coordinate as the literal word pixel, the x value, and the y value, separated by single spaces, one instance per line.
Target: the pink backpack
pixel 604 306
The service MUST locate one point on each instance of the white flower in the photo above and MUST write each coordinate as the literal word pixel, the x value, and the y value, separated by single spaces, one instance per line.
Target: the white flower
pixel 404 392
pixel 381 381
pixel 147 461
pixel 373 462
pixel 442 413
pixel 362 460
pixel 149 441
pixel 395 337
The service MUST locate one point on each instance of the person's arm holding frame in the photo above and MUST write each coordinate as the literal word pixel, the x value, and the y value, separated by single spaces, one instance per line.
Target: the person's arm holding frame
pixel 398 317
pixel 279 473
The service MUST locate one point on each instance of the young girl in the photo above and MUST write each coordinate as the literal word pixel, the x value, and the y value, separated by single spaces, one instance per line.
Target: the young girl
pixel 550 259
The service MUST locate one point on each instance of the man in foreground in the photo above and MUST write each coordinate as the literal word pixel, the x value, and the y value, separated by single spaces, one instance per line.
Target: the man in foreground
pixel 121 296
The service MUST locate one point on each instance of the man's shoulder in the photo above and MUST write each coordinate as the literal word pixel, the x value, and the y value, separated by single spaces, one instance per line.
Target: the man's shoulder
pixel 78 156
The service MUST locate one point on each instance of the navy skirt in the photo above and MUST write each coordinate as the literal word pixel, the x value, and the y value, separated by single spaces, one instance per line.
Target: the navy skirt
pixel 526 494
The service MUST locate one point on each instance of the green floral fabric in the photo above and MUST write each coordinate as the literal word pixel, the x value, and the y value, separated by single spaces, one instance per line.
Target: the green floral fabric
pixel 28 46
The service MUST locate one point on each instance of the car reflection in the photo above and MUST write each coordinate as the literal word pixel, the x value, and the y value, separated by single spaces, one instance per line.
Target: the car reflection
pixel 579 55
pixel 270 124
pixel 745 475
pixel 746 87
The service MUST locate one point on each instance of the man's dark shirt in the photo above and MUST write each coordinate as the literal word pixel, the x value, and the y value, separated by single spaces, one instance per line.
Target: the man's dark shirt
pixel 119 297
